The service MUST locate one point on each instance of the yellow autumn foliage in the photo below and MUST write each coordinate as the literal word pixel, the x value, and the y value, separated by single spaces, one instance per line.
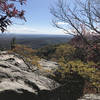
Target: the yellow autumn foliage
pixel 86 70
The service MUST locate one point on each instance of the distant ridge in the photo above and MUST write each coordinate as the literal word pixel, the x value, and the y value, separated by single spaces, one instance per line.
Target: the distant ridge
pixel 32 40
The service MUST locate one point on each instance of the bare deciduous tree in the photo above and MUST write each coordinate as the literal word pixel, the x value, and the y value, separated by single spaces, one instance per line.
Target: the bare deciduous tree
pixel 80 17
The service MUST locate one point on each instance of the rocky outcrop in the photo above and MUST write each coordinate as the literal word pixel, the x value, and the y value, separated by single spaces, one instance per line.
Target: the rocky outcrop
pixel 90 97
pixel 49 65
pixel 17 80
pixel 48 68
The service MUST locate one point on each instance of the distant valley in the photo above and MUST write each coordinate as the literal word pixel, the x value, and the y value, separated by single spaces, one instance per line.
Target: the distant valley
pixel 33 41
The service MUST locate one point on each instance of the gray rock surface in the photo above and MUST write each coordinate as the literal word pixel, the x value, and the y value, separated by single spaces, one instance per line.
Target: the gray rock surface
pixel 16 76
pixel 90 97
pixel 48 68
pixel 49 65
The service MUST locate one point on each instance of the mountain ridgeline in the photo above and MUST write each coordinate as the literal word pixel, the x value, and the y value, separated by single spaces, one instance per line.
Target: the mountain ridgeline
pixel 33 41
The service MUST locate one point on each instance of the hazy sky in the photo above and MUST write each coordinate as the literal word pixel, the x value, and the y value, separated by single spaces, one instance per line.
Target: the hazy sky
pixel 39 19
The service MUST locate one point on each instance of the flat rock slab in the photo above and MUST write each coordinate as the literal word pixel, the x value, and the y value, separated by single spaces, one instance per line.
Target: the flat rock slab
pixel 14 75
pixel 90 97
pixel 50 65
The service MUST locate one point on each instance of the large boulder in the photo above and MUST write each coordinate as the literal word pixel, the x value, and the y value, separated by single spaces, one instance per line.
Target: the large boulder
pixel 17 81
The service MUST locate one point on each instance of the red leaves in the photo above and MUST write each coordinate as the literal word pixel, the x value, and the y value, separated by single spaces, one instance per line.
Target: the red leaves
pixel 21 13
pixel 8 10
pixel 14 12
pixel 5 7
pixel 20 1
pixel 11 5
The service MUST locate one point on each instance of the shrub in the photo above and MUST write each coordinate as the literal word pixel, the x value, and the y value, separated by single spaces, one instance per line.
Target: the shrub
pixel 86 70
pixel 57 51
pixel 46 52
pixel 93 53
pixel 80 54
pixel 65 51
pixel 28 54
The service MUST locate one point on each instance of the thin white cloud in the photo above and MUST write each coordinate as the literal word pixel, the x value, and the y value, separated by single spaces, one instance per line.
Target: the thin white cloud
pixel 31 30
pixel 21 29
pixel 61 23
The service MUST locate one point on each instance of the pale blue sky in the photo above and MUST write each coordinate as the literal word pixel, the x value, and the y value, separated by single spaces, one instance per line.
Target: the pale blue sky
pixel 39 19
